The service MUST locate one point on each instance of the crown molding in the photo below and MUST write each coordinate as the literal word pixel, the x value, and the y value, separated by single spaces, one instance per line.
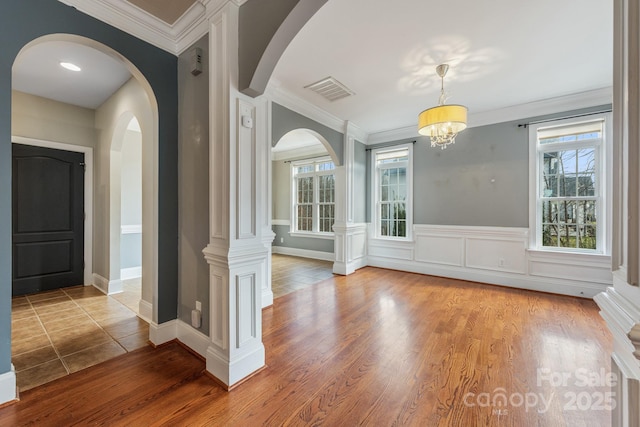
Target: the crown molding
pixel 285 98
pixel 394 135
pixel 130 19
pixel 543 107
pixel 174 38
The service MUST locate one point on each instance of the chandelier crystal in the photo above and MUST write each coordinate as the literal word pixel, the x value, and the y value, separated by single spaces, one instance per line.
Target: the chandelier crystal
pixel 443 122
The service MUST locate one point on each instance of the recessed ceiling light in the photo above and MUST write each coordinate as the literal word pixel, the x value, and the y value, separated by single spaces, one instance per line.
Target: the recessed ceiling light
pixel 70 66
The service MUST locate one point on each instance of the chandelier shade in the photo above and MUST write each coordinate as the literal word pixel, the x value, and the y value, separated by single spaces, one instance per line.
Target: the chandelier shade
pixel 443 122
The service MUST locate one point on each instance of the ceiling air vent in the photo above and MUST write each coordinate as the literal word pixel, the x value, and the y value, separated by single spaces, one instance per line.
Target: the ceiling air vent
pixel 330 88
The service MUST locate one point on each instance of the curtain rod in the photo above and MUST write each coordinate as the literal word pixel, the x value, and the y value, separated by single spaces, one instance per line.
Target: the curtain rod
pixel 309 158
pixel 575 116
pixel 385 145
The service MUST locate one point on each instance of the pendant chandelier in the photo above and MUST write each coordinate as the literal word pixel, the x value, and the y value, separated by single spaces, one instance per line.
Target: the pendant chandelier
pixel 443 122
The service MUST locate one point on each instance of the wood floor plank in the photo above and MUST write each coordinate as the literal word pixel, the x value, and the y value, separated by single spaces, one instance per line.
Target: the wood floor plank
pixel 375 348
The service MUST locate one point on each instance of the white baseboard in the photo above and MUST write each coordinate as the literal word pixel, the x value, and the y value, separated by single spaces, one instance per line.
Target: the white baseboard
pixel 145 311
pixel 232 372
pixel 101 283
pixel 8 386
pixel 192 338
pixel 163 333
pixel 130 273
pixel 108 287
pixel 345 269
pixel 541 284
pixel 267 298
pixel 304 253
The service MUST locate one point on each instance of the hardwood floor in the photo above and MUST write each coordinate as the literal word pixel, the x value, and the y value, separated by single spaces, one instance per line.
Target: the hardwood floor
pixel 292 273
pixel 375 348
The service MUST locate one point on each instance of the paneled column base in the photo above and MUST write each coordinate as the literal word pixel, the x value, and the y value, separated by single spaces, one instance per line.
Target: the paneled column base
pixel 238 276
pixel 231 373
pixel 623 320
pixel 350 247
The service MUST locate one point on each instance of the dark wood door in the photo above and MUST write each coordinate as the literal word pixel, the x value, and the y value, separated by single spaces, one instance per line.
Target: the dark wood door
pixel 48 219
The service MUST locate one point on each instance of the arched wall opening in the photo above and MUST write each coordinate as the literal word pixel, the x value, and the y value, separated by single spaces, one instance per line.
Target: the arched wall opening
pixel 126 214
pixel 135 100
pixel 296 147
pixel 20 24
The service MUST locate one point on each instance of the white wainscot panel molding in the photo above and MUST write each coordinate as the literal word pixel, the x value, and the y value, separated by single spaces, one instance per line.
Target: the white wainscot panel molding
pixel 580 267
pixel 497 254
pixel 494 255
pixel 440 249
pixel 391 249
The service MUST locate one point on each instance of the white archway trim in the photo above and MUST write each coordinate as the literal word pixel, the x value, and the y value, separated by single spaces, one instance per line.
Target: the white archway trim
pixel 150 131
pixel 321 139
pixel 88 194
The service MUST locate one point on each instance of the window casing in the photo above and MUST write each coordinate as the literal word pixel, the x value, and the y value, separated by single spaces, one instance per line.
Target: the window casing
pixel 392 208
pixel 570 186
pixel 313 196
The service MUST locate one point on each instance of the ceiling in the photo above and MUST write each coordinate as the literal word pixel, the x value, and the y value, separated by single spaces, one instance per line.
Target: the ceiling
pixel 502 54
pixel 37 71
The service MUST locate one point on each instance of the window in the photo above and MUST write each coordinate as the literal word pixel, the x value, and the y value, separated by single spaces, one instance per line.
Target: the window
pixel 570 205
pixel 314 196
pixel 393 191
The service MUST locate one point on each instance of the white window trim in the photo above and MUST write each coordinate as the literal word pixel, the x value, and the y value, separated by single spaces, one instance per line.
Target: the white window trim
pixel 375 191
pixel 294 219
pixel 604 185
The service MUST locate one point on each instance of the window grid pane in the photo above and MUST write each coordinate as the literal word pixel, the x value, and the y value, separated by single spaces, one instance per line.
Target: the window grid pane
pixel 568 194
pixel 315 196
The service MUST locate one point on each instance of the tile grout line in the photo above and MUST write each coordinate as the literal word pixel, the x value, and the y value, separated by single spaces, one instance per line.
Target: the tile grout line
pixel 55 349
pixel 100 326
pixel 96 323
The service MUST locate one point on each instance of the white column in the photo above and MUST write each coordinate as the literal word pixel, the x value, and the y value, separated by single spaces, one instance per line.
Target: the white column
pixel 350 238
pixel 620 304
pixel 264 163
pixel 236 253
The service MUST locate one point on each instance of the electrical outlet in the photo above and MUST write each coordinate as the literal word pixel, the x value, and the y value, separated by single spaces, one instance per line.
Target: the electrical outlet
pixel 196 318
pixel 501 262
pixel 282 240
pixel 198 306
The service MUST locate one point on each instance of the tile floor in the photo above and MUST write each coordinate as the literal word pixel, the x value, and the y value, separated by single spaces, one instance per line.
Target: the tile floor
pixel 58 332
pixel 290 273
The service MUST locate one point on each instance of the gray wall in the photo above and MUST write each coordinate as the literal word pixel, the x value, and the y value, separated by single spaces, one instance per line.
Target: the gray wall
pixel 194 186
pixel 23 21
pixel 281 190
pixel 312 244
pixel 481 180
pixel 284 121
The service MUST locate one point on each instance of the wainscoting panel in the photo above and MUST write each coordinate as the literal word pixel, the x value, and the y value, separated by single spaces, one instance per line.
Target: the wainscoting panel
pixel 494 255
pixel 440 249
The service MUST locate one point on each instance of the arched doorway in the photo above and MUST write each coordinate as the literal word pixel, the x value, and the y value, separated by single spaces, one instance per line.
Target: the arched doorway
pixel 303 210
pixel 92 129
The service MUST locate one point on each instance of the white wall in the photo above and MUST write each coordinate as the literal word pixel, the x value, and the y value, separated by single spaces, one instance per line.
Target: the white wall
pixel 131 206
pixel 112 118
pixel 44 119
